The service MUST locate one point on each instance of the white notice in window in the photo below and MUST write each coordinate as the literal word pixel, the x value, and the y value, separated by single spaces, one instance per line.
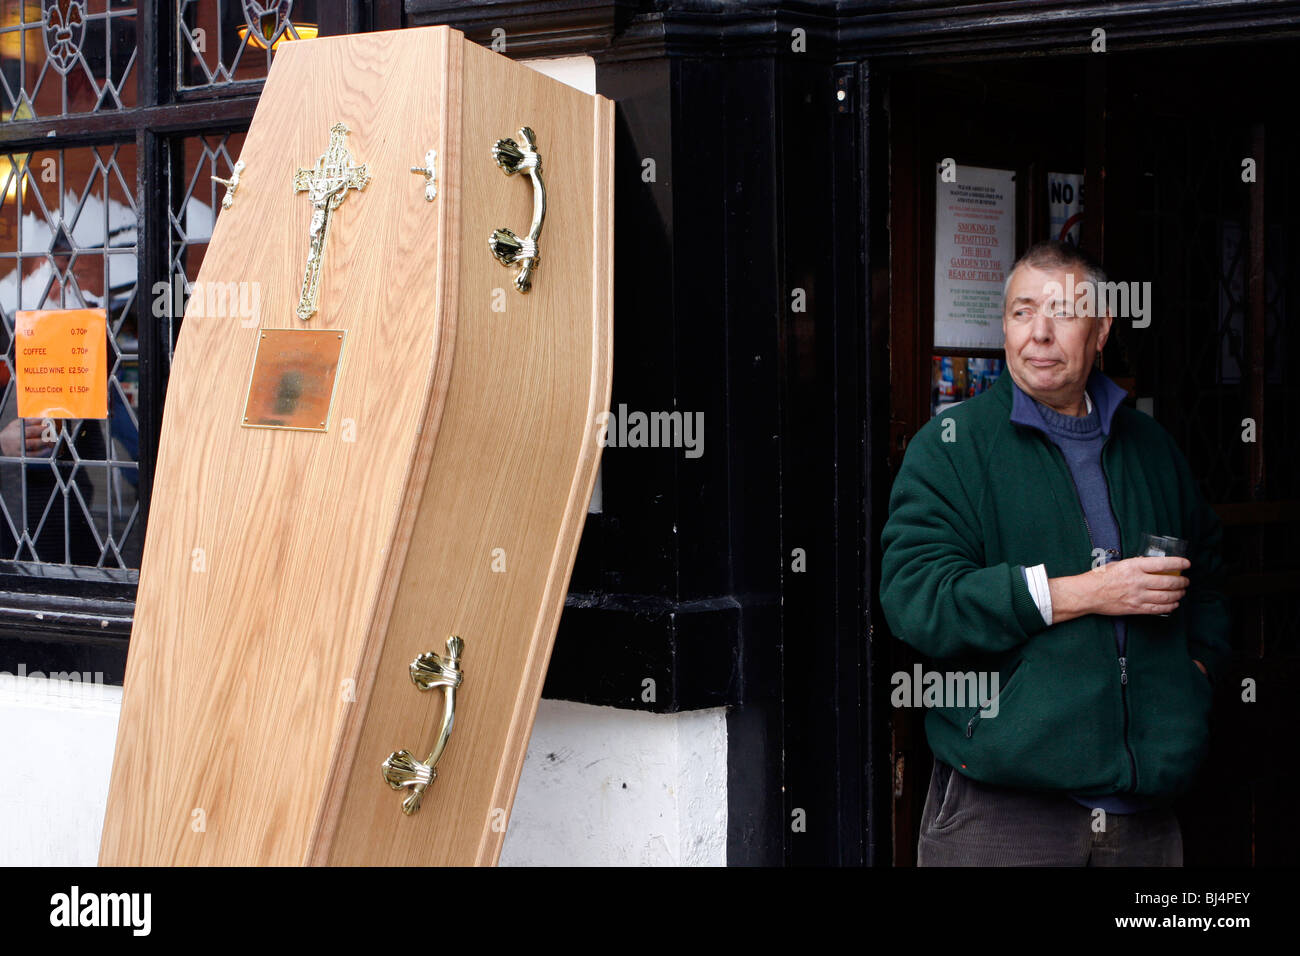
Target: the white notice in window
pixel 974 246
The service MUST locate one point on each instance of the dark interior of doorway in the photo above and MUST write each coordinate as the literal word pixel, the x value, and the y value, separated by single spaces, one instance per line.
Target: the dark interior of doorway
pixel 1162 135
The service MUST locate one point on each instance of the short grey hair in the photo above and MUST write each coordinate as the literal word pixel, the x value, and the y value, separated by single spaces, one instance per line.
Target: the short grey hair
pixel 1051 254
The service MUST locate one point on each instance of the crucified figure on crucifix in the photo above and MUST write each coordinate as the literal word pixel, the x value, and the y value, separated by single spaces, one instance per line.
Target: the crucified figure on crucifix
pixel 326 185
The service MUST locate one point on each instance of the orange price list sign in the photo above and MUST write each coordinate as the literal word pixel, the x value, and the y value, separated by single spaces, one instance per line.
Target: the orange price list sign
pixel 61 359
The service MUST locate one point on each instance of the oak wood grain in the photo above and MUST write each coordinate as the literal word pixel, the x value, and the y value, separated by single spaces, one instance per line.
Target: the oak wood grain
pixel 288 578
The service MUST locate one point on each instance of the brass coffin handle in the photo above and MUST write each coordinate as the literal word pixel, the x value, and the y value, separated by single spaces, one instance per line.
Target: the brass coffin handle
pixel 505 245
pixel 401 770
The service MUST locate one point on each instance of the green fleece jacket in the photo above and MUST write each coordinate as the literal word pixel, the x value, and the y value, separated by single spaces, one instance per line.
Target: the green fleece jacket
pixel 978 498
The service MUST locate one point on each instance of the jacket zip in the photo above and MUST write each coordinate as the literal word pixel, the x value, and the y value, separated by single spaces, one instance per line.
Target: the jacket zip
pixel 1123 660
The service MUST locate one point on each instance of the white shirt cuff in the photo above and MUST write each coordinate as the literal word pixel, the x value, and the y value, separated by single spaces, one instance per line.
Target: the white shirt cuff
pixel 1036 578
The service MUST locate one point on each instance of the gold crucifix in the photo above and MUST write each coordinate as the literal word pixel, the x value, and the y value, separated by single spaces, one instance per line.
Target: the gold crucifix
pixel 326 185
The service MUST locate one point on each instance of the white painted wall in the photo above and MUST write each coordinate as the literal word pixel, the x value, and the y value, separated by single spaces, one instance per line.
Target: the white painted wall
pixel 600 786
pixel 577 71
pixel 609 787
pixel 56 754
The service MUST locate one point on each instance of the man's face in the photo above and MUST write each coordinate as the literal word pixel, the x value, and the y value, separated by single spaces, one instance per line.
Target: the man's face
pixel 1051 343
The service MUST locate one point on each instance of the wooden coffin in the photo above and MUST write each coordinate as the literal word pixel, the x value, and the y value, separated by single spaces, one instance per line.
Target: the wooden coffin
pixel 291 577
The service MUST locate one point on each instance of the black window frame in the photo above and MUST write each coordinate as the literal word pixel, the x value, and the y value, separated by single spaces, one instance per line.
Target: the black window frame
pixel 59 617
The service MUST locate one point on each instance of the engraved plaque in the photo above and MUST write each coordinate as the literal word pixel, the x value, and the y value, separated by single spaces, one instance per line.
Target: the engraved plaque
pixel 292 385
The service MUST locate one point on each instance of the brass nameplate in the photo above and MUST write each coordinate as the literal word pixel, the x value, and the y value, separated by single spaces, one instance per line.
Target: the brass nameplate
pixel 292 385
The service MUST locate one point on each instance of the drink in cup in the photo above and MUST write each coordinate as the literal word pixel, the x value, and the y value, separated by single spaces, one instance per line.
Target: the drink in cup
pixel 1161 546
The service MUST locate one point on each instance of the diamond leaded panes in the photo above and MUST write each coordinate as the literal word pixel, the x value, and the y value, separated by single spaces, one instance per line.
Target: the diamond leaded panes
pixel 195 203
pixel 62 57
pixel 231 41
pixel 68 240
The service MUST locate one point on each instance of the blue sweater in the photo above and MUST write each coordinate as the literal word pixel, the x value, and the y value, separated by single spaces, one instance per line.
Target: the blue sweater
pixel 1080 440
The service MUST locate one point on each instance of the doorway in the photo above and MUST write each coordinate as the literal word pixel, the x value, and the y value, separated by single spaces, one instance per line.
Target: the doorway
pixel 1168 165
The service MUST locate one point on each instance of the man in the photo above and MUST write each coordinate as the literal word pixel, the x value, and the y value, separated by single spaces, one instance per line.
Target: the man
pixel 1010 548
